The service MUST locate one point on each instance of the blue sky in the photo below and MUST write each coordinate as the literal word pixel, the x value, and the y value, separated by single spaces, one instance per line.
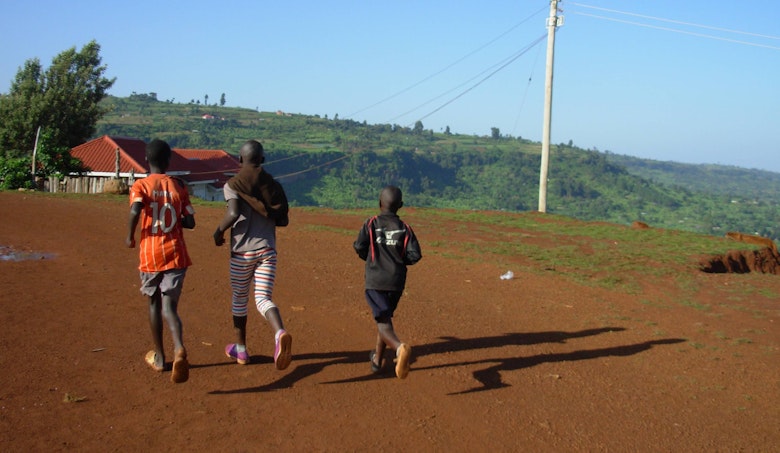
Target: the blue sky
pixel 691 81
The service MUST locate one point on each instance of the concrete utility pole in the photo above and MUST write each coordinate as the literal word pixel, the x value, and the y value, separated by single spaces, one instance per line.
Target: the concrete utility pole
pixel 35 152
pixel 553 22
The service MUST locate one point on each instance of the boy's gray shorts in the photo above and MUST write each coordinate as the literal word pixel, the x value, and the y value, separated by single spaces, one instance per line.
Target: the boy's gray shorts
pixel 169 282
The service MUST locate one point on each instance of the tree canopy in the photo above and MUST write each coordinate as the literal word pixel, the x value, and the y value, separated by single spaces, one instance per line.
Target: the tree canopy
pixel 64 100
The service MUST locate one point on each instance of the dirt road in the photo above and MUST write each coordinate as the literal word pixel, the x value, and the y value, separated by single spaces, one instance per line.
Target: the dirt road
pixel 536 363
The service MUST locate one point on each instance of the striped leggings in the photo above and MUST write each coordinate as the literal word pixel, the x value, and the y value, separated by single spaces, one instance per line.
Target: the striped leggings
pixel 260 266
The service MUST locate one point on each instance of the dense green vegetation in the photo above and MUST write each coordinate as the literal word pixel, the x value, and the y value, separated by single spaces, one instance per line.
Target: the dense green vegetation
pixel 51 110
pixel 342 163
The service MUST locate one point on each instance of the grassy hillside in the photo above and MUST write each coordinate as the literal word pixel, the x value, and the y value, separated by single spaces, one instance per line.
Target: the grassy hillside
pixel 342 163
pixel 735 182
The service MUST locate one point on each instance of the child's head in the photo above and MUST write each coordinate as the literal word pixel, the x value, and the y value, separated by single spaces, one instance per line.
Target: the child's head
pixel 252 153
pixel 391 199
pixel 158 154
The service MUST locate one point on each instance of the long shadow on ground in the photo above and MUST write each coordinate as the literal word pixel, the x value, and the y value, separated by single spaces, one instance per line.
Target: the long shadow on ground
pixel 489 378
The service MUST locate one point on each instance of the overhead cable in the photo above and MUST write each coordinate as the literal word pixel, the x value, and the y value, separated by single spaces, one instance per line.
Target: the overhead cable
pixel 394 95
pixel 313 168
pixel 518 55
pixel 701 35
pixel 690 24
pixel 500 64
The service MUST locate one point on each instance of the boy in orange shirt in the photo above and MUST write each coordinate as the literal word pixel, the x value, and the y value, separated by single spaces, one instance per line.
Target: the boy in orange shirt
pixel 162 204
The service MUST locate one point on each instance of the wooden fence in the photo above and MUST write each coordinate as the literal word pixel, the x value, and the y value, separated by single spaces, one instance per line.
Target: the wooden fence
pixel 78 184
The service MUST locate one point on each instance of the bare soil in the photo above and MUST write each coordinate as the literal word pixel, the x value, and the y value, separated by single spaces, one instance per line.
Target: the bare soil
pixel 536 363
pixel 764 260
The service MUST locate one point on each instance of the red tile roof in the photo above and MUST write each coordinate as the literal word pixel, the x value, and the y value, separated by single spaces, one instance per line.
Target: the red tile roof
pixel 99 155
pixel 207 164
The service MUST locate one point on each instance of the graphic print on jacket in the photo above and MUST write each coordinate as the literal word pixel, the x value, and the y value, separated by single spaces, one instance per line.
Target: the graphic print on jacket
pixel 391 246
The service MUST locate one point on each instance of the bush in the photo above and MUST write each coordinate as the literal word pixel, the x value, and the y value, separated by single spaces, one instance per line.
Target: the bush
pixel 15 173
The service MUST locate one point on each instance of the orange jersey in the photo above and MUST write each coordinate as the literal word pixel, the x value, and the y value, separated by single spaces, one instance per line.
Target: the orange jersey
pixel 165 201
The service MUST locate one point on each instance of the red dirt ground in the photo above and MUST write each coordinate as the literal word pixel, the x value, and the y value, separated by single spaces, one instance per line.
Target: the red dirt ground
pixel 536 363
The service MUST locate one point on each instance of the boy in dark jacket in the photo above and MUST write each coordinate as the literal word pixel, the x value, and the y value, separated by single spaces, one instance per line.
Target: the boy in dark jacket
pixel 388 245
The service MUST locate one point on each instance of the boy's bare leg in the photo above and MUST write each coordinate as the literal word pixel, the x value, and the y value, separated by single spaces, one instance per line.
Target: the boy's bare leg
pixel 275 319
pixel 181 367
pixel 169 311
pixel 387 334
pixel 239 327
pixel 379 351
pixel 156 325
pixel 403 351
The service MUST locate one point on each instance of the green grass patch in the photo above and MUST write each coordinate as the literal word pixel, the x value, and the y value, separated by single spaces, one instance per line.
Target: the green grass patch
pixel 342 231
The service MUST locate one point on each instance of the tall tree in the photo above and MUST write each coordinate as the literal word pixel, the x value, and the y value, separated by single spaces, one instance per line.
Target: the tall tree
pixel 63 100
pixel 222 100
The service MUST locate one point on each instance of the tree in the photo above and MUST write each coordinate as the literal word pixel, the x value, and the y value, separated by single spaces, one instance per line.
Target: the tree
pixel 20 110
pixel 206 100
pixel 51 159
pixel 495 133
pixel 63 100
pixel 222 100
pixel 418 128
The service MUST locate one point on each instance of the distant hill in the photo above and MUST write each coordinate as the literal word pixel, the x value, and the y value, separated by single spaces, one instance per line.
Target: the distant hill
pixel 343 163
pixel 733 181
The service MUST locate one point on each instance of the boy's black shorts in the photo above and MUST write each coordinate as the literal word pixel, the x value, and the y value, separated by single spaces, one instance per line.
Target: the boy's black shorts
pixel 382 303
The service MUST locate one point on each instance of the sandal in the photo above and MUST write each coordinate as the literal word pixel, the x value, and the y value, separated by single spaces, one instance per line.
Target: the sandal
pixel 181 368
pixel 404 354
pixel 151 359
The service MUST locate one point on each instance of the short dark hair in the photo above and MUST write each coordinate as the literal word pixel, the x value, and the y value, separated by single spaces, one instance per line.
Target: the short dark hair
pixel 391 198
pixel 252 151
pixel 158 153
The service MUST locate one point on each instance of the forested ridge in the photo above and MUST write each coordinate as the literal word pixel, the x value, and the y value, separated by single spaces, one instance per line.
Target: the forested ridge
pixel 341 163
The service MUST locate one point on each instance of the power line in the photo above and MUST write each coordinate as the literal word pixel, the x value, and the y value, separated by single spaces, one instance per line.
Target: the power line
pixel 678 22
pixel 218 172
pixel 518 55
pixel 501 63
pixel 394 95
pixel 285 158
pixel 661 19
pixel 525 93
pixel 701 35
pixel 313 168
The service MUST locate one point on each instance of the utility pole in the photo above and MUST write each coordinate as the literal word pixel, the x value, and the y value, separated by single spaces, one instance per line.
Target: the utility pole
pixel 35 152
pixel 553 22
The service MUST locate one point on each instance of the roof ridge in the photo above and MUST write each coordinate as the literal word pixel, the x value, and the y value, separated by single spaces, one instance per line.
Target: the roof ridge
pixel 133 163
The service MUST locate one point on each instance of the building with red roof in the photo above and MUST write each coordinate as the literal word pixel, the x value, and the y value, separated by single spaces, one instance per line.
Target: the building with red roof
pixel 204 170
